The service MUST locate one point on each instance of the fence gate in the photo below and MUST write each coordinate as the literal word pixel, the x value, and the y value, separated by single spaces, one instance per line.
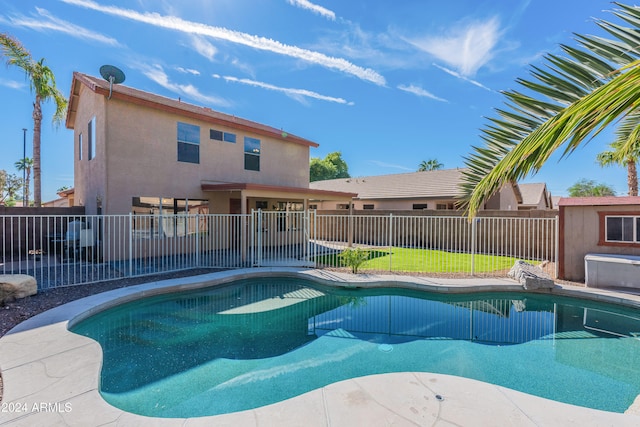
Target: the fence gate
pixel 281 238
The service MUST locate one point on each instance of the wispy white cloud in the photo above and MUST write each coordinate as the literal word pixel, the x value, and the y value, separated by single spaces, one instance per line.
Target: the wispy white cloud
pixel 383 51
pixel 461 77
pixel 319 10
pixel 466 49
pixel 298 94
pixel 203 47
pixel 417 90
pixel 390 165
pixel 12 84
pixel 256 42
pixel 244 67
pixel 45 21
pixel 156 73
pixel 188 71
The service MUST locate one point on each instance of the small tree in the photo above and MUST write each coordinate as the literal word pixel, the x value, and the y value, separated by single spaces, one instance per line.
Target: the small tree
pixel 331 167
pixel 10 186
pixel 354 258
pixel 589 188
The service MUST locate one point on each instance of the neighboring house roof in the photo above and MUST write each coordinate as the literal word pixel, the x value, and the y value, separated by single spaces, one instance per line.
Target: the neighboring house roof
pixel 534 193
pixel 150 100
pixel 430 184
pixel 599 201
pixel 66 193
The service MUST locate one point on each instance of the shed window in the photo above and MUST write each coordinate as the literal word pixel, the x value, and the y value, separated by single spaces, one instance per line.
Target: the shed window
pixel 622 229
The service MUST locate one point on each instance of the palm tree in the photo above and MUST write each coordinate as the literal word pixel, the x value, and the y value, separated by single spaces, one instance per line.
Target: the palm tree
pixel 572 100
pixel 25 165
pixel 430 165
pixel 612 157
pixel 43 84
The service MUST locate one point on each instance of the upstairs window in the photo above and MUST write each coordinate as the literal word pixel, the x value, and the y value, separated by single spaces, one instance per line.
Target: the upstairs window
pixel 188 143
pixel 92 138
pixel 251 154
pixel 80 146
pixel 219 135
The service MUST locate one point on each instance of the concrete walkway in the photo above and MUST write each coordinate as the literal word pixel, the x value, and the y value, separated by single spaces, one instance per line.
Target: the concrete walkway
pixel 51 375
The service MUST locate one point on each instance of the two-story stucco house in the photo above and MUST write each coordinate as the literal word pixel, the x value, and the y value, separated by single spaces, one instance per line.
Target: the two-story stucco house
pixel 144 153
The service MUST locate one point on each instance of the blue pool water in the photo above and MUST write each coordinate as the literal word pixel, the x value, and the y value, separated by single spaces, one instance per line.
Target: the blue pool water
pixel 259 341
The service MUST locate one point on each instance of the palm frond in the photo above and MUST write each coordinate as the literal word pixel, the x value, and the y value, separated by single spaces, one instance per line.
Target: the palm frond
pixel 563 104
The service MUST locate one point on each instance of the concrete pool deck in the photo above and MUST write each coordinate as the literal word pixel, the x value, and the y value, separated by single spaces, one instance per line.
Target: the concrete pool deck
pixel 51 376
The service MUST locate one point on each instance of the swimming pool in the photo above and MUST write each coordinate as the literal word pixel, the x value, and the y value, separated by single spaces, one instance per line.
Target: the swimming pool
pixel 259 341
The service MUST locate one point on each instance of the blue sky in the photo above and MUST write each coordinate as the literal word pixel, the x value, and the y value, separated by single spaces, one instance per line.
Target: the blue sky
pixel 387 83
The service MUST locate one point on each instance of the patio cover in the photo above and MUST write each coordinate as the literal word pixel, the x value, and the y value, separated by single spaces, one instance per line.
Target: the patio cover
pixel 275 191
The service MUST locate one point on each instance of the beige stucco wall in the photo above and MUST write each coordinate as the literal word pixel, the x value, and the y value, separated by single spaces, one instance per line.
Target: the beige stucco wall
pixel 580 231
pixel 89 175
pixel 137 156
pixel 504 200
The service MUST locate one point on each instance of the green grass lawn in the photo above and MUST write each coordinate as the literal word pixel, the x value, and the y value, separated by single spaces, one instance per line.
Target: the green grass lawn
pixel 425 260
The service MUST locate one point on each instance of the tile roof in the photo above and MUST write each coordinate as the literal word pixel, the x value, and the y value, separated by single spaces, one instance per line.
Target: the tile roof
pixel 432 184
pixel 129 94
pixel 599 201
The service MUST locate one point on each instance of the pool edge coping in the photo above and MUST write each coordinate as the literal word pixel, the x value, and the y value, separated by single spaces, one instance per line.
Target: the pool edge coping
pixel 59 319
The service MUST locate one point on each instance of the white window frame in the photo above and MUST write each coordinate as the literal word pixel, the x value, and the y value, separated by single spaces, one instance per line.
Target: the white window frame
pixel 634 224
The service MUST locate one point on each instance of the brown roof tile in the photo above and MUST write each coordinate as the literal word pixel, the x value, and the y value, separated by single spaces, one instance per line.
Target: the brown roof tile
pixel 432 184
pixel 599 201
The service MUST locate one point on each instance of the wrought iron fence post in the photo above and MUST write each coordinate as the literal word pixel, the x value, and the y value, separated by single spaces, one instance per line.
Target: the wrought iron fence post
pixel 306 238
pixel 197 239
pixel 252 239
pixel 474 231
pixel 390 240
pixel 258 231
pixel 557 244
pixel 130 244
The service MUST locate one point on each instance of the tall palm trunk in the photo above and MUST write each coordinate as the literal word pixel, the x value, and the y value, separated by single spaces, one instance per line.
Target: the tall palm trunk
pixel 37 124
pixel 26 185
pixel 632 177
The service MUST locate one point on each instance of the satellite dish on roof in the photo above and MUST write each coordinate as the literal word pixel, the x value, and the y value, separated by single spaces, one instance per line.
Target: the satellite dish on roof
pixel 113 75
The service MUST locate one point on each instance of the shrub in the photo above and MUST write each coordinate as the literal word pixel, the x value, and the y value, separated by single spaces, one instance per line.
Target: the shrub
pixel 354 258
